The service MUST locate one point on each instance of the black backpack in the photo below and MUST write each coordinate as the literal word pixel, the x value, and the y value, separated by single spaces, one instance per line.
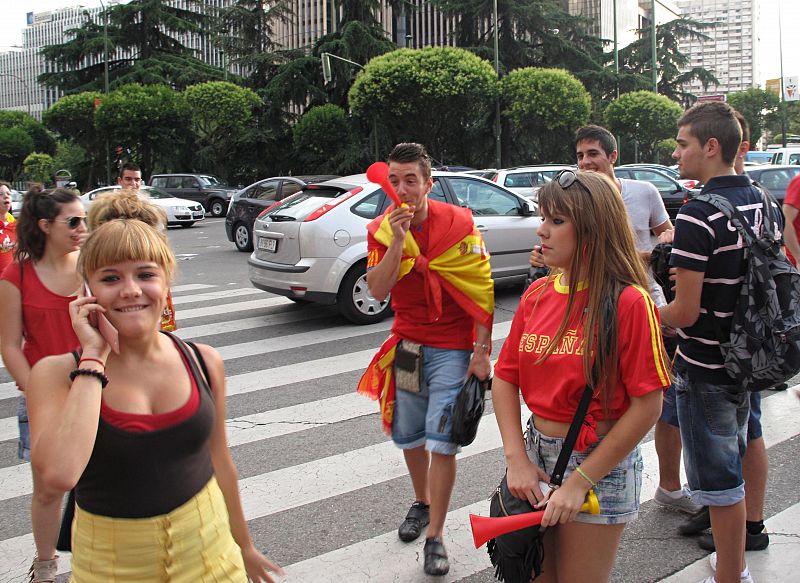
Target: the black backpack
pixel 763 348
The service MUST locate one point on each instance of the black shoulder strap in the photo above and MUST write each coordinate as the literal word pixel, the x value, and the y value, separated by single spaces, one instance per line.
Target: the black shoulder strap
pixel 201 360
pixel 77 356
pixel 557 476
pixel 202 379
pixel 739 221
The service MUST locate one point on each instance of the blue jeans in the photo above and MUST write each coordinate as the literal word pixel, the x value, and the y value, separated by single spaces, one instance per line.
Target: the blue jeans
pixel 713 424
pixel 426 417
pixel 24 444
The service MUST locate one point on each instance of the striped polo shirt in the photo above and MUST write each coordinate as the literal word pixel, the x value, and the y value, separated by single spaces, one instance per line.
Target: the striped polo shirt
pixel 706 241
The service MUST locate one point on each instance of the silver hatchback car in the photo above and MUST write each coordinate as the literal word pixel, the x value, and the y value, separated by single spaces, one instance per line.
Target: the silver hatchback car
pixel 312 246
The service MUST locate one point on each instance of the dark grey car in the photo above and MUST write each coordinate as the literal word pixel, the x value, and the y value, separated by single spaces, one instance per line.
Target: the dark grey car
pixel 250 202
pixel 206 189
pixel 774 178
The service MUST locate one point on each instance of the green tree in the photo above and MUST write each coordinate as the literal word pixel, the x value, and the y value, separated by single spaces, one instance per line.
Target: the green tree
pixel 439 96
pixel 246 32
pixel 15 145
pixel 542 108
pixel 645 118
pixel 72 157
pixel 755 105
pixel 42 140
pixel 72 117
pixel 152 122
pixel 219 112
pixel 672 66
pixel 324 142
pixel 38 167
pixel 143 47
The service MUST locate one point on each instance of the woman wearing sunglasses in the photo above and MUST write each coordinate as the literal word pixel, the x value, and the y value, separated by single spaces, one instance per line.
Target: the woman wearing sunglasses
pixel 35 292
pixel 592 322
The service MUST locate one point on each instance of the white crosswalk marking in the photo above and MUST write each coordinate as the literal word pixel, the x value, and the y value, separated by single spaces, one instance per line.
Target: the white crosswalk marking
pixel 292 391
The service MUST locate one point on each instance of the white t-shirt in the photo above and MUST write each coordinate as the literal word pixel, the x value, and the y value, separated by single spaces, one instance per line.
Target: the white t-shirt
pixel 646 211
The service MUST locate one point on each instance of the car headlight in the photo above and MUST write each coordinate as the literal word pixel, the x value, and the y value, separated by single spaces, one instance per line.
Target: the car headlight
pixel 196 208
pixel 180 210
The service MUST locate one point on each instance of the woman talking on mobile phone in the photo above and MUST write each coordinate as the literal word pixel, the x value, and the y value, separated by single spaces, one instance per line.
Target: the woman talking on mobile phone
pixel 593 323
pixel 140 435
pixel 35 292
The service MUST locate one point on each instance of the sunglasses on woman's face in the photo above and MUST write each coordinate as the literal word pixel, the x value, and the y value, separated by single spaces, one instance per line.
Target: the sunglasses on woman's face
pixel 72 222
pixel 567 178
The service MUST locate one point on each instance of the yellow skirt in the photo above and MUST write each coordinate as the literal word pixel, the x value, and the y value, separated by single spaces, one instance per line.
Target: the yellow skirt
pixel 193 543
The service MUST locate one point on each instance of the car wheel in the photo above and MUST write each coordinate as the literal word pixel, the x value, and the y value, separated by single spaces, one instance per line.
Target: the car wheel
pixel 217 208
pixel 356 303
pixel 187 225
pixel 243 237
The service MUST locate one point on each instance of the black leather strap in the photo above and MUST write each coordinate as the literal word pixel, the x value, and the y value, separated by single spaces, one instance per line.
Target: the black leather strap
pixel 572 436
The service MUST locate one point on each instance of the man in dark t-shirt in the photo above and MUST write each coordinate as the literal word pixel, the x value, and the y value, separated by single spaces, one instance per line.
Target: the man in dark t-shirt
pixel 708 256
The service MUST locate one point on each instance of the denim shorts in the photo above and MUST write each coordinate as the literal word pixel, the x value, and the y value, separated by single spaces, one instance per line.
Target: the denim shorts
pixel 618 493
pixel 426 417
pixel 24 443
pixel 713 423
pixel 669 413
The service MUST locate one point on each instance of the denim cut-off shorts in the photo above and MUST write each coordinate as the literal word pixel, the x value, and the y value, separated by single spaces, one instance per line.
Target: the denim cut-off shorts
pixel 24 444
pixel 618 493
pixel 426 417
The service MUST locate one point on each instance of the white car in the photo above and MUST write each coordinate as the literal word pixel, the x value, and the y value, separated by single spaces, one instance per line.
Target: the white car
pixel 179 210
pixel 312 246
pixel 527 180
pixel 16 202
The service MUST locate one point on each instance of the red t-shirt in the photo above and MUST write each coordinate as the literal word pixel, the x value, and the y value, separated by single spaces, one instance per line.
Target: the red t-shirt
pixel 454 329
pixel 8 240
pixel 47 327
pixel 793 199
pixel 553 388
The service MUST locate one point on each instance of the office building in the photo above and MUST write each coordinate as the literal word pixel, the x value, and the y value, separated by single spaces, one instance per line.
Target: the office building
pixel 631 16
pixel 731 51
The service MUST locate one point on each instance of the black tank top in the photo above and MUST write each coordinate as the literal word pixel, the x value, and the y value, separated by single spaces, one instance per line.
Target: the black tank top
pixel 145 474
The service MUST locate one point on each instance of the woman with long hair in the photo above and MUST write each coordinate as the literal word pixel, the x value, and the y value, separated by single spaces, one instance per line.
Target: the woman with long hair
pixel 592 323
pixel 35 292
pixel 140 434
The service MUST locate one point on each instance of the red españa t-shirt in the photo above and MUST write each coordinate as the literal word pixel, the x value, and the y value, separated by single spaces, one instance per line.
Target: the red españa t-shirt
pixel 454 329
pixel 552 389
pixel 793 199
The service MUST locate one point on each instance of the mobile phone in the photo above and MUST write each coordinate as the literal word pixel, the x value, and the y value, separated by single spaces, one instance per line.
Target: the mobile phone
pixel 106 329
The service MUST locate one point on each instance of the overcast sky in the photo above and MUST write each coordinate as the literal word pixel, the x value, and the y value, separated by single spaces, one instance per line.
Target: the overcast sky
pixel 12 21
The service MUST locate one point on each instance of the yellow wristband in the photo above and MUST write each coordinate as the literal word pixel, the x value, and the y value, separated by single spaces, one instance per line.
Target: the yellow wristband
pixel 585 477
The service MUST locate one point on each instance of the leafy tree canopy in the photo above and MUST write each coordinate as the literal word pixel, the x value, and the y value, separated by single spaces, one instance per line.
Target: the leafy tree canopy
pixel 438 96
pixel 756 105
pixel 544 107
pixel 143 47
pixel 635 61
pixel 42 140
pixel 151 121
pixel 324 142
pixel 645 117
pixel 15 145
pixel 38 167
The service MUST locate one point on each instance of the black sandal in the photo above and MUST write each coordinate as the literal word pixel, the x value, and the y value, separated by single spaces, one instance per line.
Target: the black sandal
pixel 417 518
pixel 436 562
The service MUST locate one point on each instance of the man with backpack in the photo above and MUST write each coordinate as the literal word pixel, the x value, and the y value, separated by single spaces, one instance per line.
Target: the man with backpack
pixel 708 254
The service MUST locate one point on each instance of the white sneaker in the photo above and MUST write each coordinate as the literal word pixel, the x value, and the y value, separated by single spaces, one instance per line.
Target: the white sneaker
pixel 678 500
pixel 746 577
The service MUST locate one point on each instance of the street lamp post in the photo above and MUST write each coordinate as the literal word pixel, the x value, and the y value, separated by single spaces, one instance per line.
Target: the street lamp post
pixel 497 126
pixel 27 87
pixel 653 43
pixel 105 82
pixel 784 125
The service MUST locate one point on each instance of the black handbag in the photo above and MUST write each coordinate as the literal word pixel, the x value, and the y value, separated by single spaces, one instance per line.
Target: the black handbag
pixel 468 410
pixel 518 556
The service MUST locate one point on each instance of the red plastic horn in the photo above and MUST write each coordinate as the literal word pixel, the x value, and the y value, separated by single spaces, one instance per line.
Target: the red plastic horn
pixel 379 174
pixel 485 528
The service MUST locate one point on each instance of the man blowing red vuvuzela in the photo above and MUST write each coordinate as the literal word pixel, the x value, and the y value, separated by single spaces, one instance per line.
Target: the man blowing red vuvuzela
pixel 432 259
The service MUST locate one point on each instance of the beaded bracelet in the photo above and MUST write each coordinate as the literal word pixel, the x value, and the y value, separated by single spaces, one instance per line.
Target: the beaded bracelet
pixel 585 477
pixel 88 372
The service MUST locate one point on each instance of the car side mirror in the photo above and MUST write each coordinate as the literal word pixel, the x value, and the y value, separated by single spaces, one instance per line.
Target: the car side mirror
pixel 528 208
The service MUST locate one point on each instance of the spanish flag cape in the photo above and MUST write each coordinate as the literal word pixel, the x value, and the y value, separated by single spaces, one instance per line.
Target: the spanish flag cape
pixel 457 261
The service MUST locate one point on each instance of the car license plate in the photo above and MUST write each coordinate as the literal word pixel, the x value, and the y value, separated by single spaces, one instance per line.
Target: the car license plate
pixel 265 244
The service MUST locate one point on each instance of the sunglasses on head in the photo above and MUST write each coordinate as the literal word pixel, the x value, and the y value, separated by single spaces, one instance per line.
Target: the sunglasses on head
pixel 568 177
pixel 73 222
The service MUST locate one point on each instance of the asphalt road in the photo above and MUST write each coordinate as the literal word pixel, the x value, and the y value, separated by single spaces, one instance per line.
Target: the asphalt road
pixel 323 488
